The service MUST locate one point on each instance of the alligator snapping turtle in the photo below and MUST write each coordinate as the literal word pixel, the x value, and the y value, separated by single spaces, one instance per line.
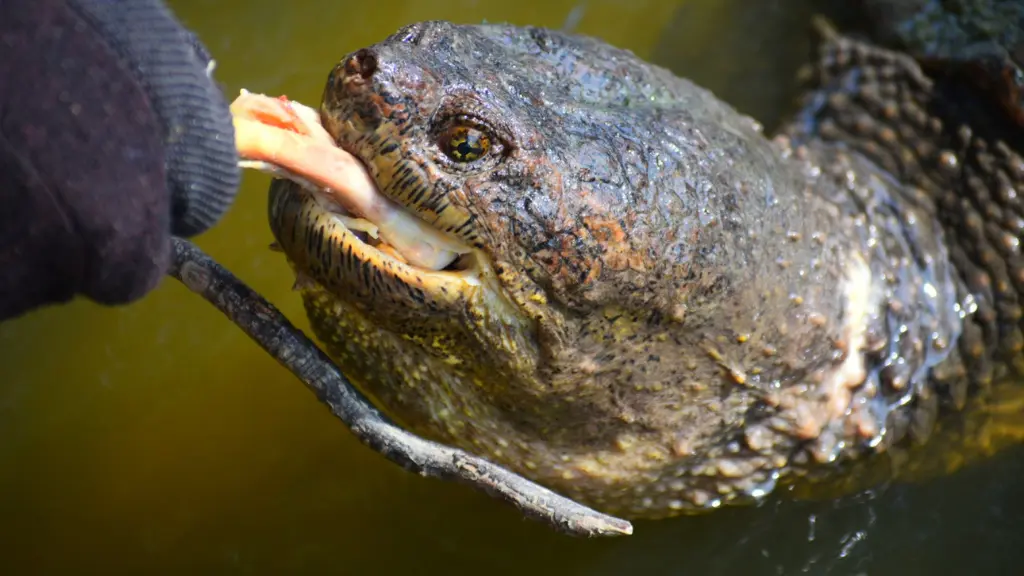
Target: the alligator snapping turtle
pixel 649 305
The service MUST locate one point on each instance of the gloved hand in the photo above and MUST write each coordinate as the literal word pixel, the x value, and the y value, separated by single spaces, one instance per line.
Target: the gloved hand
pixel 113 137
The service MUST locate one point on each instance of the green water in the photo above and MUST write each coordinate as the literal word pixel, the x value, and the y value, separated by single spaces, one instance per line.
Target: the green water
pixel 156 439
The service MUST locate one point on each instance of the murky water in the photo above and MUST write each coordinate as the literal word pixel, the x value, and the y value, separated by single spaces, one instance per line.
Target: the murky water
pixel 157 439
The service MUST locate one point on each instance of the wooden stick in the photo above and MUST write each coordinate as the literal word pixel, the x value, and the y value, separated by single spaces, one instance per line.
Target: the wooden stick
pixel 269 328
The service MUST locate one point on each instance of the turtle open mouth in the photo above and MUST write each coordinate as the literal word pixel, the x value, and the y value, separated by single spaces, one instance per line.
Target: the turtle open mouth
pixel 334 196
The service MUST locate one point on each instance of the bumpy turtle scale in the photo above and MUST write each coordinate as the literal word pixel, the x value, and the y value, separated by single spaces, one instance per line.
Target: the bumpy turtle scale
pixel 980 42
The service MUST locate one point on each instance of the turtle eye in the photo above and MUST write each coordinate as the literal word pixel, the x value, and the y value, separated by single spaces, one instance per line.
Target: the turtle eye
pixel 464 143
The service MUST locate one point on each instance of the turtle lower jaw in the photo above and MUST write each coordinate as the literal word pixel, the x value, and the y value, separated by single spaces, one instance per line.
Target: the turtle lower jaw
pixel 436 254
pixel 311 227
pixel 338 250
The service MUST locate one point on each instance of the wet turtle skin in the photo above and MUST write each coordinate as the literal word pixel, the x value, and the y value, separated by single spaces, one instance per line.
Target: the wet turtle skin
pixel 664 310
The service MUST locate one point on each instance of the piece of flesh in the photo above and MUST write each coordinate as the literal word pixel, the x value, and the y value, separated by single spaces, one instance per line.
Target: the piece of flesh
pixel 285 138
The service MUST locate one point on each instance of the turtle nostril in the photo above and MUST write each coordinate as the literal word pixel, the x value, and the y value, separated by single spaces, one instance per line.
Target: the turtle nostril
pixel 363 63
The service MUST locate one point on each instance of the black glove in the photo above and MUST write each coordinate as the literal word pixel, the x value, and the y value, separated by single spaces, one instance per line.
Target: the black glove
pixel 112 138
